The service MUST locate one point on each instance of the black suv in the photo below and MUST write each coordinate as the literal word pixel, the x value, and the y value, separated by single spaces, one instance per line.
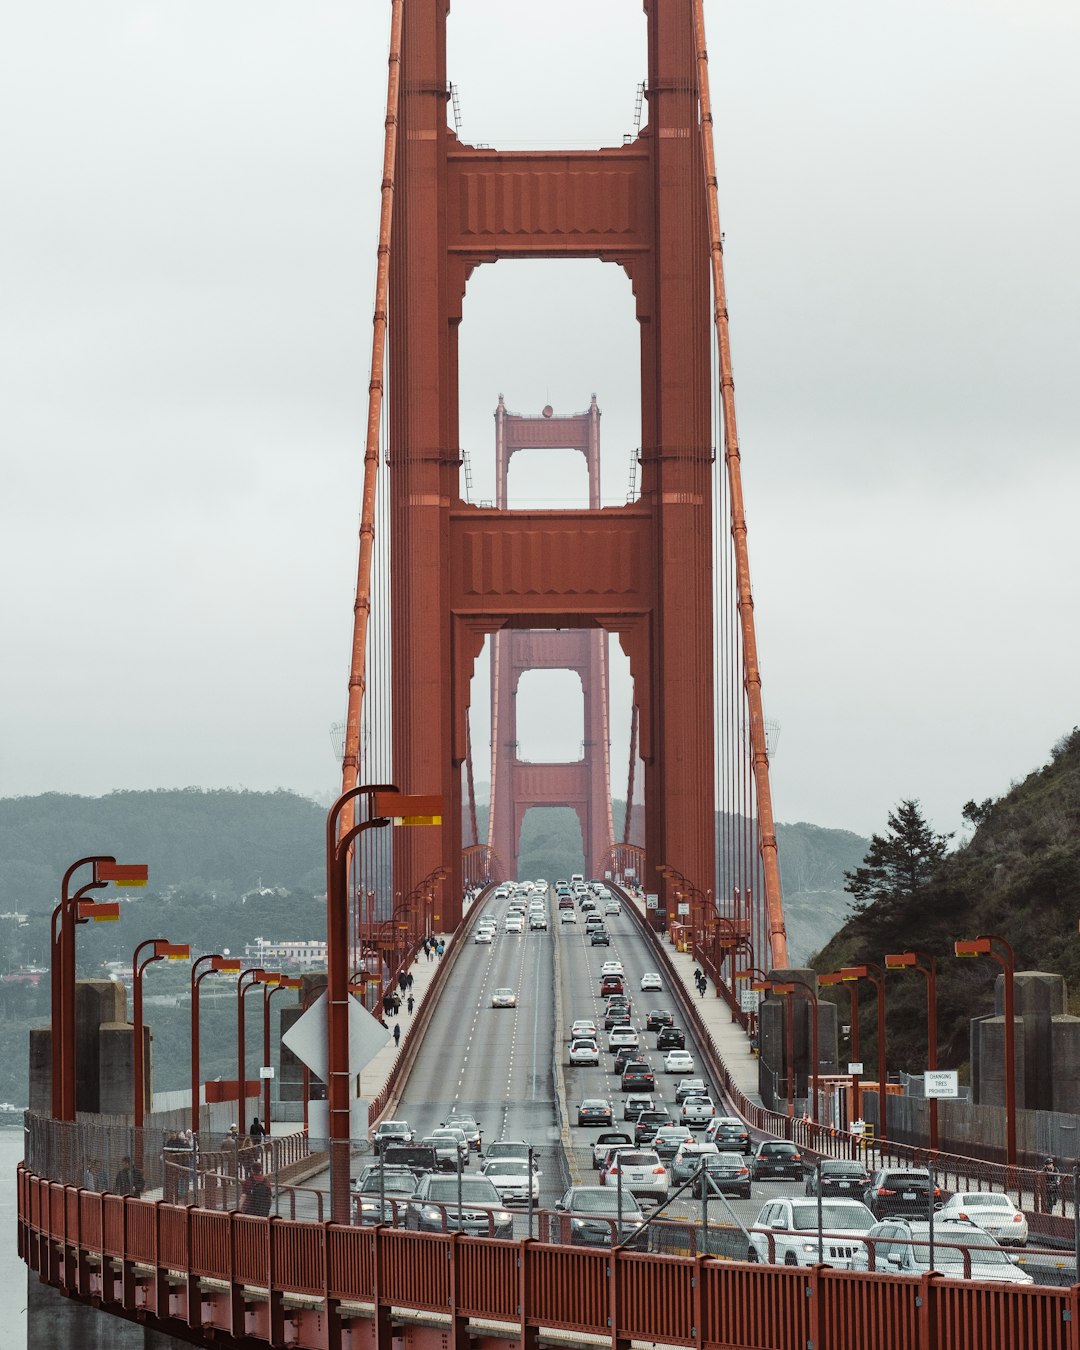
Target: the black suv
pixel 623 1056
pixel 616 1017
pixel 776 1158
pixel 648 1123
pixel 838 1176
pixel 600 938
pixel 900 1190
pixel 659 1017
pixel 670 1038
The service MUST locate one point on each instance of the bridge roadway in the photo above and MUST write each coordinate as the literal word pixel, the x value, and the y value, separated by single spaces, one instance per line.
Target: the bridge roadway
pixel 499 1064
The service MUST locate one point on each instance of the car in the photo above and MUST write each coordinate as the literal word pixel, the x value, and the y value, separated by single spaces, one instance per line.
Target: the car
pixel 451 1149
pixel 538 923
pixel 776 1158
pixel 594 1217
pixel 612 908
pixel 637 1074
pixel 992 1211
pixel 484 936
pixel 670 1038
pixel 594 1111
pixel 728 1132
pixel 725 1174
pixel 392 1181
pixel 785 1232
pixel 902 1247
pixel 508 1148
pixel 514 923
pixel 641 1173
pixel 468 1125
pixel 612 968
pixel 690 1087
pixel 659 1017
pixel 583 1028
pixel 434 1207
pixel 390 1132
pixel 678 1061
pixel 567 915
pixel 616 1017
pixel 584 1052
pixel 899 1190
pixel 635 1104
pixel 513 1178
pixel 600 938
pixel 687 1161
pixel 624 1056
pixel 565 902
pixel 838 1176
pixel 593 922
pixel 504 998
pixel 669 1138
pixel 607 1140
pixel 651 980
pixel 611 984
pixel 418 1157
pixel 647 1124
pixel 624 1034
pixel 698 1112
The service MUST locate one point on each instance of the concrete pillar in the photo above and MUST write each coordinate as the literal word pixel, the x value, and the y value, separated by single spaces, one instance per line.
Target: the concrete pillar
pixel 1065 1056
pixel 772 1027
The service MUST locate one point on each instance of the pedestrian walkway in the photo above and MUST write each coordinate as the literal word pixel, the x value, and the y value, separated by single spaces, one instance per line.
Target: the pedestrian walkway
pixel 729 1039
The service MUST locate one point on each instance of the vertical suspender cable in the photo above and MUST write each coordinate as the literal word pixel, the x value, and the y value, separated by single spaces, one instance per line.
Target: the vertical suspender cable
pixel 362 604
pixel 751 674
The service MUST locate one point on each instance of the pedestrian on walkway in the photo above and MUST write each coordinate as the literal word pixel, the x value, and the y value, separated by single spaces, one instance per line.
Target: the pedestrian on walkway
pixel 401 980
pixel 408 981
pixel 409 1004
pixel 397 1033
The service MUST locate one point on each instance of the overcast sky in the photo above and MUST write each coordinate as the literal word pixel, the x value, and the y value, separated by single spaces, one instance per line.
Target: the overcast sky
pixel 186 268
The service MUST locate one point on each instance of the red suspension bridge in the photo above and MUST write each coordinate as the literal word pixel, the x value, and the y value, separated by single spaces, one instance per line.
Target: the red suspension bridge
pixel 666 575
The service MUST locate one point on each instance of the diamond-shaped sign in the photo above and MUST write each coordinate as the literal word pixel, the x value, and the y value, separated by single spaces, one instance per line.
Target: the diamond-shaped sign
pixel 306 1038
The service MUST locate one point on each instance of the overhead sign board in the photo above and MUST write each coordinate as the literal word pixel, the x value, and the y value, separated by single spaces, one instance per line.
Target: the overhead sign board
pixel 941 1083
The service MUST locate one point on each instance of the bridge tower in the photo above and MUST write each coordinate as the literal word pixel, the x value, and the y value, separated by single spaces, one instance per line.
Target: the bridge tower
pixel 643 571
pixel 516 785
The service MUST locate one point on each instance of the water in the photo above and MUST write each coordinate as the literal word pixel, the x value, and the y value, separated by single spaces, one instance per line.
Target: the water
pixel 12 1270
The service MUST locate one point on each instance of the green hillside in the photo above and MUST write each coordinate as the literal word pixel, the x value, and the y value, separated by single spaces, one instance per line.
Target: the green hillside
pixel 1018 876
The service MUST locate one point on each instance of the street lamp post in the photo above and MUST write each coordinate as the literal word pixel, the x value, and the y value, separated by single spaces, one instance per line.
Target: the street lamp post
pixel 911 961
pixel 247 979
pixel 217 963
pixel 983 946
pixel 269 990
pixel 877 979
pixel 385 804
pixel 162 950
pixel 838 977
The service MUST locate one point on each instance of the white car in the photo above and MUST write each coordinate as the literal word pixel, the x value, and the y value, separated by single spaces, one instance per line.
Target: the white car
pixel 486 935
pixel 612 908
pixel 612 968
pixel 567 916
pixel 698 1112
pixel 651 980
pixel 621 1036
pixel 678 1061
pixel 643 1174
pixel 584 1052
pixel 993 1212
pixel 792 1225
pixel 515 923
pixel 902 1246
pixel 513 1178
pixel 584 1029
pixel 504 998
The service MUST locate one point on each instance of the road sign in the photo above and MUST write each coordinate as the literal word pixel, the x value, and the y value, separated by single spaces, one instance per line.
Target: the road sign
pixel 652 902
pixel 306 1038
pixel 683 907
pixel 940 1083
pixel 266 1071
pixel 749 999
pixel 855 1069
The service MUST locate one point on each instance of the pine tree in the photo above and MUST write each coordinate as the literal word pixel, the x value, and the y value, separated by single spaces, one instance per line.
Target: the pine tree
pixel 899 864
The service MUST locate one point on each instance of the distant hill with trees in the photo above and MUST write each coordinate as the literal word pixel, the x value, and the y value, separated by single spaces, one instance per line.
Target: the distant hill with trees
pixel 1018 876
